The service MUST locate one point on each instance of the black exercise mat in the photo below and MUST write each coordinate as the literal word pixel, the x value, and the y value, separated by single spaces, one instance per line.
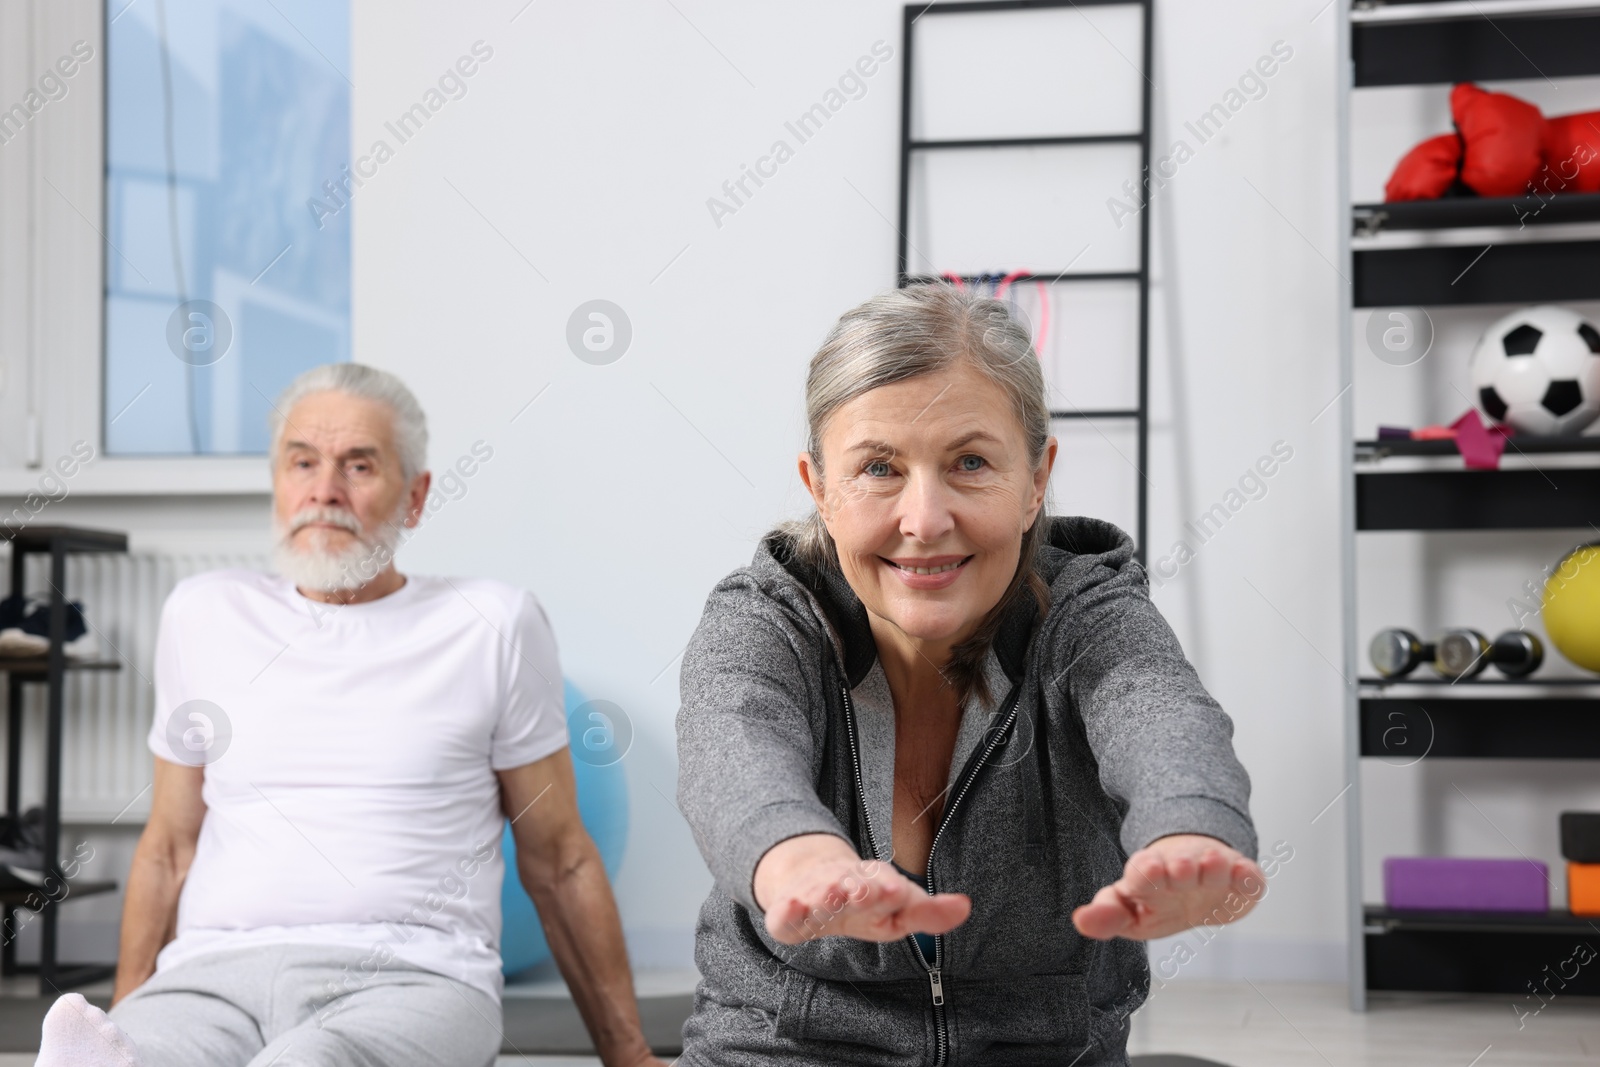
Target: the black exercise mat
pixel 552 1025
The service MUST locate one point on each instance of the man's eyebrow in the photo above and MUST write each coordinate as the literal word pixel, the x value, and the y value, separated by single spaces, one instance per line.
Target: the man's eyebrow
pixel 359 452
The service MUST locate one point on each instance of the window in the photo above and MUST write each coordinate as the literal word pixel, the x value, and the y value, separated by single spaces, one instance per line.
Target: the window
pixel 227 218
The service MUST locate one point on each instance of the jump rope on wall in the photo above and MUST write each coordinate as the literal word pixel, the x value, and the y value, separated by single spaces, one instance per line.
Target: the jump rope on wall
pixel 999 285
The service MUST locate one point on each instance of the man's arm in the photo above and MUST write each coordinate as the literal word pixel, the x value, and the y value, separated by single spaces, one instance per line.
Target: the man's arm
pixel 160 864
pixel 561 870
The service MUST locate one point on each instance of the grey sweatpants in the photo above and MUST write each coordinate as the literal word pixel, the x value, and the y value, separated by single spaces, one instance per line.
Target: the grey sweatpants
pixel 275 1005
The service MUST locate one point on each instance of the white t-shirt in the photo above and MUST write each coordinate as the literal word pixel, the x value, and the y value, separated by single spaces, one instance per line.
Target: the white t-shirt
pixel 350 791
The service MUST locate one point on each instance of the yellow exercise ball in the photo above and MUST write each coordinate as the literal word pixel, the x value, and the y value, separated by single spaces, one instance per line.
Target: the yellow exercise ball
pixel 1571 608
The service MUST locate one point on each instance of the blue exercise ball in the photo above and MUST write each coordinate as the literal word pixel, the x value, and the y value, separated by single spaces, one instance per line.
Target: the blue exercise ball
pixel 603 804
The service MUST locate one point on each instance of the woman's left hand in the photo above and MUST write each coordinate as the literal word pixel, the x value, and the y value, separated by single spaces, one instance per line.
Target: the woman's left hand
pixel 1171 884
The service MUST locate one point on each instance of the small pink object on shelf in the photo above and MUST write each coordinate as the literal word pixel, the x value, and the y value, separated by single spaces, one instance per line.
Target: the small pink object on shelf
pixel 1437 883
pixel 1480 446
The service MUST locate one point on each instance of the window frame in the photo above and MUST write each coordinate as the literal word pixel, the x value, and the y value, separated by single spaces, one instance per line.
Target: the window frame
pixel 53 259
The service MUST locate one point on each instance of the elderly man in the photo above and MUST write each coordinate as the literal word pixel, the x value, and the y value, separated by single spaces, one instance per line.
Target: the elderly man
pixel 336 751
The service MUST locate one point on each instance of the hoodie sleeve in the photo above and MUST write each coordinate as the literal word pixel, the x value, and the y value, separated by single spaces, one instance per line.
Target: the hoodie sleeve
pixel 1164 745
pixel 749 734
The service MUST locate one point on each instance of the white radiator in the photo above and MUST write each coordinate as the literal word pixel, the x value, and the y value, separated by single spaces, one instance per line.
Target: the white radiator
pixel 105 766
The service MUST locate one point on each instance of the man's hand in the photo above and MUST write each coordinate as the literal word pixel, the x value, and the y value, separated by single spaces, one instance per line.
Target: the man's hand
pixel 815 885
pixel 1171 884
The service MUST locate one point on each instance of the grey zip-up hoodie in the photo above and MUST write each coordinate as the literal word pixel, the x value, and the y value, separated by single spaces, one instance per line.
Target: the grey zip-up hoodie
pixel 1109 741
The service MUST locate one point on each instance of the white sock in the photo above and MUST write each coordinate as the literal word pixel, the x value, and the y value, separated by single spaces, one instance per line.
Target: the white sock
pixel 78 1034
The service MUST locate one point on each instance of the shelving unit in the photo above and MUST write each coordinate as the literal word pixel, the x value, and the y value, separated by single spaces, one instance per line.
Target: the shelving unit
pixel 56 542
pixel 1437 42
pixel 910 146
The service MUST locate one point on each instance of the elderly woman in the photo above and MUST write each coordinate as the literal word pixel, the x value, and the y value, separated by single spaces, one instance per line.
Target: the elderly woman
pixel 930 721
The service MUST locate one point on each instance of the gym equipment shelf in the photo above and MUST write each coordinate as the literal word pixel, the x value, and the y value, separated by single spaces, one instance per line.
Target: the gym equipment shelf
pixel 1552 498
pixel 1477 952
pixel 1508 921
pixel 1439 42
pixel 57 542
pixel 1535 683
pixel 1516 444
pixel 1403 730
pixel 1436 43
pixel 1444 275
pixel 1469 211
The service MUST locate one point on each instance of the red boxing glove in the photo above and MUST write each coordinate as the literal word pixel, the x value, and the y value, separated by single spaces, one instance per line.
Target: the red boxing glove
pixel 1571 154
pixel 1427 171
pixel 1504 140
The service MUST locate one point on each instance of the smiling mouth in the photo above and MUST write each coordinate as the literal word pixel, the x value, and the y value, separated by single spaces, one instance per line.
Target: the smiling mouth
pixel 930 570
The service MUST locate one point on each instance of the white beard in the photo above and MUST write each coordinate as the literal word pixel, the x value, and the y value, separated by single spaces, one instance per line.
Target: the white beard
pixel 324 570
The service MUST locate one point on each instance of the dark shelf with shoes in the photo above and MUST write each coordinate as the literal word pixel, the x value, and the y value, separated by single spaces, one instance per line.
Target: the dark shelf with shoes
pixel 56 621
pixel 36 668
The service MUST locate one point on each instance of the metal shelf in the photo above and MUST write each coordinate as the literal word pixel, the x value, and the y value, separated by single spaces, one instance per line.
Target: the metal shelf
pixel 1511 922
pixel 56 542
pixel 1515 444
pixel 37 668
pixel 1554 498
pixel 1403 730
pixel 1452 43
pixel 30 898
pixel 1473 683
pixel 1439 42
pixel 1462 212
pixel 1441 275
pixel 1473 952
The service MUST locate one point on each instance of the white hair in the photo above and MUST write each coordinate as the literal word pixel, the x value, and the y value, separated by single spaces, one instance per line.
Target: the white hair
pixel 410 424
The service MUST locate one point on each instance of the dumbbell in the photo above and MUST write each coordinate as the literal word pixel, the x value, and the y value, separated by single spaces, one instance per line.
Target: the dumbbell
pixel 1460 653
pixel 1463 653
pixel 1396 652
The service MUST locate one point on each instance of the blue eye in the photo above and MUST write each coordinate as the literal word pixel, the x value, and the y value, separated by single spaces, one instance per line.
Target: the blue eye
pixel 978 460
pixel 877 468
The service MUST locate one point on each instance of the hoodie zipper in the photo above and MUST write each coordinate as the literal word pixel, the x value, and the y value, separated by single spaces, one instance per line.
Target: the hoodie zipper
pixel 935 978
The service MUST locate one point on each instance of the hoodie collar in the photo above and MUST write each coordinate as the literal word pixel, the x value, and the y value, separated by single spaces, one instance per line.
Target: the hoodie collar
pixel 842 609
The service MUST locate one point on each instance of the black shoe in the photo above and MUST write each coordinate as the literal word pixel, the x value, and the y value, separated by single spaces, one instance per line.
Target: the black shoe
pixel 22 846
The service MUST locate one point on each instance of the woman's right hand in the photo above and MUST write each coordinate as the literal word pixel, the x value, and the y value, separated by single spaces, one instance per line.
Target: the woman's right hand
pixel 815 885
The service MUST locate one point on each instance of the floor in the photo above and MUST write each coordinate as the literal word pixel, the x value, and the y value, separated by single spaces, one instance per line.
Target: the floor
pixel 1245 1024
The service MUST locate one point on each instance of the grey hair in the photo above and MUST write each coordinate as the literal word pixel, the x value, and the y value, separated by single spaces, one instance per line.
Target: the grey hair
pixel 906 333
pixel 358 379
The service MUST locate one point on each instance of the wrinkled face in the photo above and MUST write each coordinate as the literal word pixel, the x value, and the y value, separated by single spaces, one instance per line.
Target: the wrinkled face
pixel 926 488
pixel 339 493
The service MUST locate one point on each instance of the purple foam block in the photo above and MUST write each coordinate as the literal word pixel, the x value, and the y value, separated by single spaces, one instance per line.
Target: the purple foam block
pixel 1440 884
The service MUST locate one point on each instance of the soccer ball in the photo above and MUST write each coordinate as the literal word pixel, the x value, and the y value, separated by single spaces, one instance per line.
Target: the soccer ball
pixel 1539 370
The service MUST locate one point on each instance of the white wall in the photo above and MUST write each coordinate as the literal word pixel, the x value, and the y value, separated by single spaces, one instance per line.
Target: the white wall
pixel 578 167
pixel 591 142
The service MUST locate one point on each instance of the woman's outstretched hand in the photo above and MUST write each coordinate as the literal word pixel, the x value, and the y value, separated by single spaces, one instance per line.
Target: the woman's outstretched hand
pixel 815 885
pixel 1170 885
